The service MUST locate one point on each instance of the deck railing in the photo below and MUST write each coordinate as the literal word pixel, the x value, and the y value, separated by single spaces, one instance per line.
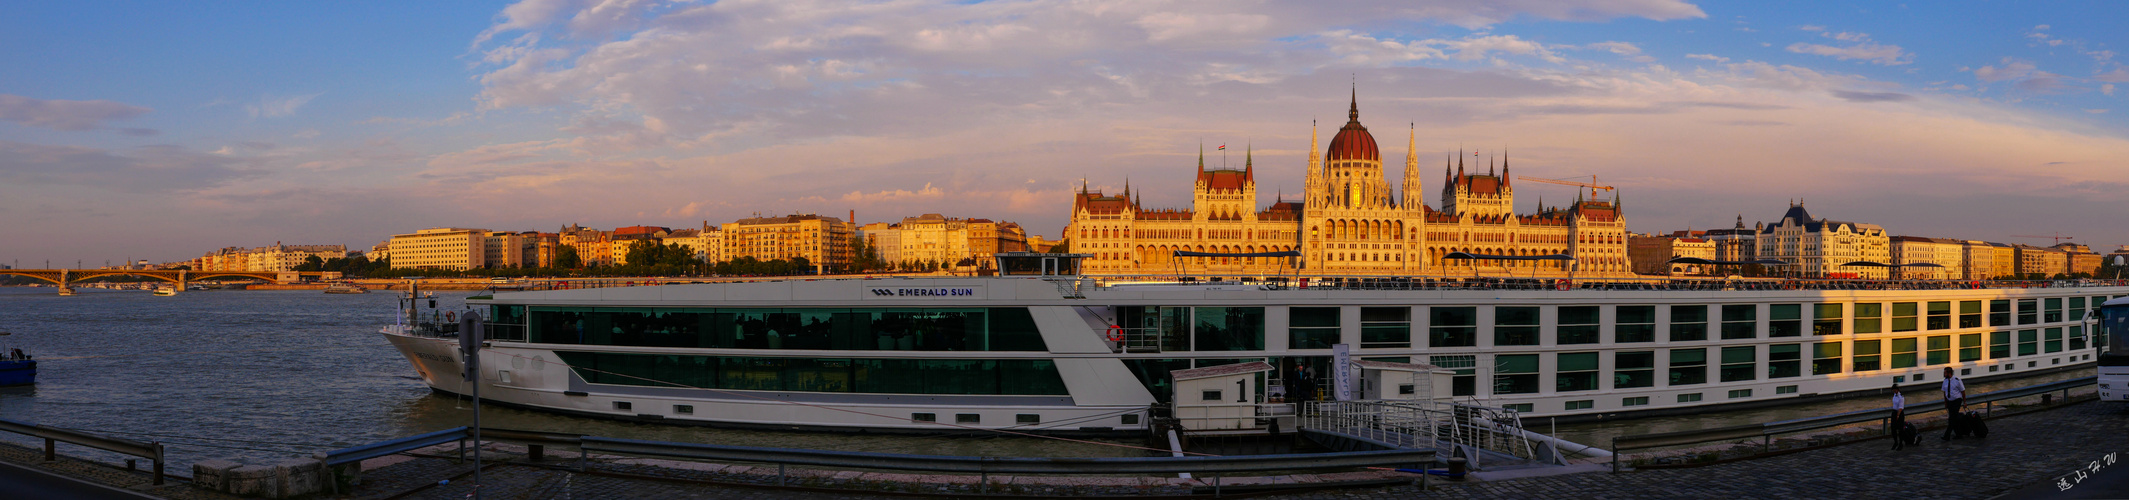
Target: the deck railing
pixel 1765 432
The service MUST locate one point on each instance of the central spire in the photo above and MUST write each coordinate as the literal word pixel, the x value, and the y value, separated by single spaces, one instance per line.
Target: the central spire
pixel 1353 112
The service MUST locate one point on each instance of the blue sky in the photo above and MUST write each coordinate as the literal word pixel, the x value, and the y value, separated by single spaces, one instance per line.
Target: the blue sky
pixel 163 131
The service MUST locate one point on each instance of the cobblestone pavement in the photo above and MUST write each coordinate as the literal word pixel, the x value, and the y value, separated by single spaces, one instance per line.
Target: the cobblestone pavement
pixel 2020 450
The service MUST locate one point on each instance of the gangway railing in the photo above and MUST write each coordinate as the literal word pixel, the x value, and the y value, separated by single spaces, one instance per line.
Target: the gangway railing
pixel 153 450
pixel 1765 432
pixel 1426 424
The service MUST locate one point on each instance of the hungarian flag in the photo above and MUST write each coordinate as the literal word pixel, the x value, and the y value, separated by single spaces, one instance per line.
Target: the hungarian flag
pixel 1223 147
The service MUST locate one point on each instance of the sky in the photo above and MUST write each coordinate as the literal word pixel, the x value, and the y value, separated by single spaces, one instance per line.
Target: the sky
pixel 162 131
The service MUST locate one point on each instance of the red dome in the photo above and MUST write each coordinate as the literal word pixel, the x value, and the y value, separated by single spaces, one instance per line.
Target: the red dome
pixel 1353 141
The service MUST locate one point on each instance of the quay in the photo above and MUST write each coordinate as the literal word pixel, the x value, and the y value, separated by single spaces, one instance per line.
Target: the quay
pixel 2032 454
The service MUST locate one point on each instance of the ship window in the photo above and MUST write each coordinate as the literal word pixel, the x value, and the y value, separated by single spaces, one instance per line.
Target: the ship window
pixel 1785 360
pixel 1515 326
pixel 1940 350
pixel 1903 353
pixel 1786 389
pixel 1999 345
pixel 1515 374
pixel 1785 320
pixel 1740 321
pixel 1738 363
pixel 2053 341
pixel 2028 342
pixel 1634 401
pixel 1825 358
pixel 1826 319
pixel 2053 313
pixel 1689 323
pixel 1691 397
pixel 873 376
pixel 1465 381
pixel 1576 371
pixel 1027 419
pixel 1578 325
pixel 1970 314
pixel 1940 315
pixel 1131 419
pixel 1869 317
pixel 2028 311
pixel 1970 347
pixel 1229 329
pixel 1999 312
pixel 968 418
pixel 1903 316
pixel 1581 405
pixel 1453 327
pixel 1634 324
pixel 1311 327
pixel 887 329
pixel 1689 366
pixel 624 406
pixel 1740 393
pixel 1633 369
pixel 1406 389
pixel 1520 407
pixel 684 409
pixel 1211 396
pixel 1385 327
pixel 2077 338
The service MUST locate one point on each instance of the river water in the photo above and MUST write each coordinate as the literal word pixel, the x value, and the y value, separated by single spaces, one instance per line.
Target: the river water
pixel 278 374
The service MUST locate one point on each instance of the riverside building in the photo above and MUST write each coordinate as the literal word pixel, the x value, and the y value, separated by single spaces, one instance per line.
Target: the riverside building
pixel 450 248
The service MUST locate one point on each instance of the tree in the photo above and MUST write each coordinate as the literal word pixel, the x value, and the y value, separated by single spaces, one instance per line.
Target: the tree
pixel 1061 246
pixel 311 264
pixel 565 257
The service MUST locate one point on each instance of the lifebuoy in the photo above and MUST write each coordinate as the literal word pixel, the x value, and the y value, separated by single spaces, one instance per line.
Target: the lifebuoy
pixel 450 316
pixel 1116 333
pixel 1562 285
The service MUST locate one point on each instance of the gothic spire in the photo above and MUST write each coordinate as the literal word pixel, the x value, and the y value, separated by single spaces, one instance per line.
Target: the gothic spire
pixel 1353 113
pixel 1504 169
pixel 1201 156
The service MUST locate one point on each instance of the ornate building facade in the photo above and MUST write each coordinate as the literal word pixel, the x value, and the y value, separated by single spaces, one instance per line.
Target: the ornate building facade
pixel 1350 221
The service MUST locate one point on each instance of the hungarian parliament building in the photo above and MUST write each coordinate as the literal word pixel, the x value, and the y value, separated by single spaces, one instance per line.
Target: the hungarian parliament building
pixel 1350 222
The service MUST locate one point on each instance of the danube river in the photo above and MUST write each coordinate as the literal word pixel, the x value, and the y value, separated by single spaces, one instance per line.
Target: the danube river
pixel 277 374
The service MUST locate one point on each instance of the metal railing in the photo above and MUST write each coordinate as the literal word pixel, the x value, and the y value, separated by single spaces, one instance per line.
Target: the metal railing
pixel 1234 416
pixel 152 450
pixel 1766 431
pixel 1425 424
pixel 891 461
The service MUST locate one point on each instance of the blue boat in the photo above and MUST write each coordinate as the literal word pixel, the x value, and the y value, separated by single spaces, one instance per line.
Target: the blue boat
pixel 17 368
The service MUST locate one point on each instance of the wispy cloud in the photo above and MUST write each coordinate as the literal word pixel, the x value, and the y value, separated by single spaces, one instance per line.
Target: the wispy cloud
pixel 1708 57
pixel 1889 55
pixel 65 115
pixel 276 107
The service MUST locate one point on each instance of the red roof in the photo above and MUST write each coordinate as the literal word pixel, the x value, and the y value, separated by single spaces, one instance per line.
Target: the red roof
pixel 1229 180
pixel 1353 141
pixel 639 230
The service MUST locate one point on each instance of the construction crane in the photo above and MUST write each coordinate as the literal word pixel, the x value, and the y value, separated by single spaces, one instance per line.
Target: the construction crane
pixel 1592 184
pixel 2058 237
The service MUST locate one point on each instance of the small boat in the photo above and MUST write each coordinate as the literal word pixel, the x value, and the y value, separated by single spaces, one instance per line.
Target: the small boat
pixel 165 291
pixel 345 288
pixel 16 367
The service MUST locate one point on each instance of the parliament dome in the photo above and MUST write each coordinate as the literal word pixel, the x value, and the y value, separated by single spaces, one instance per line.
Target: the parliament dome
pixel 1353 141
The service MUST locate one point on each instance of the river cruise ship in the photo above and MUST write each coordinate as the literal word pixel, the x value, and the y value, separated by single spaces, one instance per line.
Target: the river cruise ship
pixel 1056 352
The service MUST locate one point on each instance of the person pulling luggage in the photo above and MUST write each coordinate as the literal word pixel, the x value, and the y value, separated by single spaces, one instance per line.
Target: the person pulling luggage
pixel 1954 397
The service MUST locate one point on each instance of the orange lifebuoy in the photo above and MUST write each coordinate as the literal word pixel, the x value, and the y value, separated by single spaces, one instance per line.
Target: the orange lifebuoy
pixel 1116 333
pixel 1562 285
pixel 450 316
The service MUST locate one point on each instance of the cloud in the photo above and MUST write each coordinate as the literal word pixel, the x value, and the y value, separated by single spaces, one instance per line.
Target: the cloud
pixel 1889 55
pixel 1809 27
pixel 1630 51
pixel 2012 69
pixel 2095 111
pixel 1709 57
pixel 2106 88
pixel 1853 96
pixel 2118 75
pixel 142 169
pixel 275 107
pixel 309 133
pixel 64 115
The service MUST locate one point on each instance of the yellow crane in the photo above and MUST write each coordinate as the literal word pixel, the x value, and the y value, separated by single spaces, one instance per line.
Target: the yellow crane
pixel 1592 184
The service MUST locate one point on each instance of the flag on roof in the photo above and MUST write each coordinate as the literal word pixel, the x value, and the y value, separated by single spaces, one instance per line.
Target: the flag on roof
pixel 1223 147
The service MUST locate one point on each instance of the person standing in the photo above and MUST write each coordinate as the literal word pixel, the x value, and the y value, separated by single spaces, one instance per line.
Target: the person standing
pixel 1899 418
pixel 1954 397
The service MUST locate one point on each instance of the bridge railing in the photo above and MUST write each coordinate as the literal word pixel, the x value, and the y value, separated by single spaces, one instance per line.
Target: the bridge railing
pixel 1765 432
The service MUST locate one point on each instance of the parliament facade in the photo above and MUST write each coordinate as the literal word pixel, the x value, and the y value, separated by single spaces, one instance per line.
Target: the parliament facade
pixel 1350 221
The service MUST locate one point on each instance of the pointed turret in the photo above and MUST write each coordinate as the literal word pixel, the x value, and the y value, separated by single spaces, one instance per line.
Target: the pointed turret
pixel 1353 113
pixel 1504 169
pixel 1201 157
pixel 1412 185
pixel 1249 162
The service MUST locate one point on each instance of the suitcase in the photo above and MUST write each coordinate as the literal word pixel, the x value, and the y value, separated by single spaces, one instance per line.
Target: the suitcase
pixel 1969 424
pixel 1909 434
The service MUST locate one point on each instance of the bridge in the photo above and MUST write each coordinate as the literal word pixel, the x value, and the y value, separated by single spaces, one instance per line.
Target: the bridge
pixel 65 278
